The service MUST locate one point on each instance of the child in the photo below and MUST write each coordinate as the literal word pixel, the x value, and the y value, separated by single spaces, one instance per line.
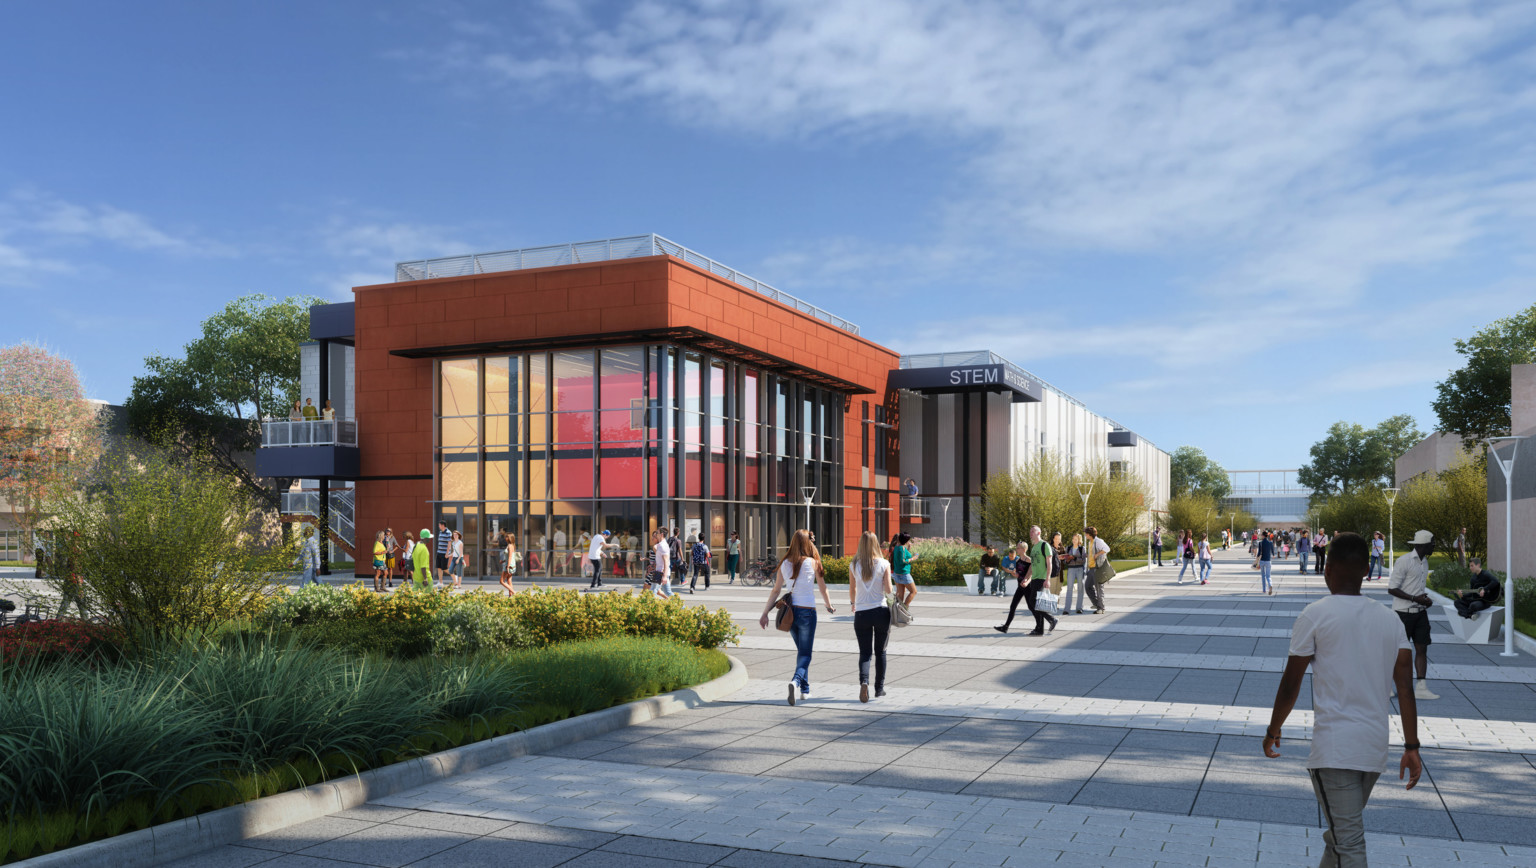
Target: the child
pixel 1356 648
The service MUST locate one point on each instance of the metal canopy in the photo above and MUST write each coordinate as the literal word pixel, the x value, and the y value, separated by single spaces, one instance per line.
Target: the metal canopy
pixel 683 336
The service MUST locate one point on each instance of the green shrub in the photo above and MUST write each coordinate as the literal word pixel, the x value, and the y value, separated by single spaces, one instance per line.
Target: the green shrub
pixel 471 624
pixel 311 604
pixel 551 615
pixel 579 677
pixel 836 569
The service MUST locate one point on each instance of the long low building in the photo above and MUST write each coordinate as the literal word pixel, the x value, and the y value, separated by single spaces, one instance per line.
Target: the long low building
pixel 631 383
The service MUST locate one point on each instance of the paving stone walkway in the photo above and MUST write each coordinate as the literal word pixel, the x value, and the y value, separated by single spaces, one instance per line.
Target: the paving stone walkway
pixel 1126 739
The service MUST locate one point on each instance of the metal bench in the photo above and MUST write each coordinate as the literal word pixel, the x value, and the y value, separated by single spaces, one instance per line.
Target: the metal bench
pixel 1482 629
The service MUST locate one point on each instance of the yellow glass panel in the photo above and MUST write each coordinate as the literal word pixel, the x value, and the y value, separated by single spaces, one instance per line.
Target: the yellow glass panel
pixel 459 387
pixel 458 433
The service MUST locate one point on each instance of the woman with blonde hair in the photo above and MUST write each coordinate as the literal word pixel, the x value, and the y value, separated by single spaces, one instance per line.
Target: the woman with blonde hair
pixel 800 567
pixel 1072 567
pixel 869 580
pixel 509 565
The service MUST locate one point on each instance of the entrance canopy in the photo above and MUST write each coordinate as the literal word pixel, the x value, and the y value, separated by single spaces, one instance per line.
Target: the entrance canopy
pixel 981 371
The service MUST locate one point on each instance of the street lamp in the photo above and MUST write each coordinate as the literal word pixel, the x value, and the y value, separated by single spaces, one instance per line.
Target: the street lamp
pixel 1509 565
pixel 809 493
pixel 1084 489
pixel 945 502
pixel 1391 495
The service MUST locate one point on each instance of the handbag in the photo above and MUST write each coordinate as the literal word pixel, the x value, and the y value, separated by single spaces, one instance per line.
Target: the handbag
pixel 1103 573
pixel 900 615
pixel 1046 603
pixel 1255 563
pixel 785 619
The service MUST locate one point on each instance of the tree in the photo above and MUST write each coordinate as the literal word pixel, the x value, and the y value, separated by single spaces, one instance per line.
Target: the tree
pixel 49 433
pixel 1474 401
pixel 1360 510
pixel 1188 512
pixel 1190 470
pixel 1041 492
pixel 207 406
pixel 1443 504
pixel 1352 456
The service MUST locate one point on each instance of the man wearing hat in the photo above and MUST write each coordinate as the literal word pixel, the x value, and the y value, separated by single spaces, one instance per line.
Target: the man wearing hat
pixel 421 561
pixel 1407 588
pixel 595 557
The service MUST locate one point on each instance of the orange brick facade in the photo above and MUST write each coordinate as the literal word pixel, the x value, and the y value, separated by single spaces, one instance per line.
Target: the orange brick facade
pixel 394 395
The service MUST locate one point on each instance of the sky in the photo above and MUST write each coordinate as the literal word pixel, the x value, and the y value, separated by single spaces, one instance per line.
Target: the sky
pixel 1222 224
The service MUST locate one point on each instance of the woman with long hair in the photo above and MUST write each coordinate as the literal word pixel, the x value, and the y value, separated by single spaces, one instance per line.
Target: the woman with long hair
pixel 1187 554
pixel 901 569
pixel 1072 566
pixel 660 575
pixel 1204 553
pixel 869 580
pixel 801 570
pixel 509 561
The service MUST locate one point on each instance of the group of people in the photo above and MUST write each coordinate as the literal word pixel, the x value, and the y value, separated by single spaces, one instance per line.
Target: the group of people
pixel 1188 553
pixel 1069 570
pixel 306 411
pixel 673 557
pixel 414 560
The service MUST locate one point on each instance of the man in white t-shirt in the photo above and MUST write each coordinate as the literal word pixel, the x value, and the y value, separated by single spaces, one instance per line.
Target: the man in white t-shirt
pixel 1355 647
pixel 595 557
pixel 1410 576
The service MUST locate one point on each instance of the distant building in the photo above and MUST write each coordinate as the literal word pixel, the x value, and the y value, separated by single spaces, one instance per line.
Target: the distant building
pixel 1273 497
pixel 1433 454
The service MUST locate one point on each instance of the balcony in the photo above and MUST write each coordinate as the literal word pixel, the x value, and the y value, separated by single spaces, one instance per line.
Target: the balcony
pixel 915 509
pixel 339 432
pixel 312 449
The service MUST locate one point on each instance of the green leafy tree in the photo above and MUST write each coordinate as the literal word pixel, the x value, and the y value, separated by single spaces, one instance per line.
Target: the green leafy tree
pixel 1443 504
pixel 50 435
pixel 207 404
pixel 1353 456
pixel 1042 492
pixel 164 549
pixel 1474 401
pixel 1191 470
pixel 1188 512
pixel 1359 510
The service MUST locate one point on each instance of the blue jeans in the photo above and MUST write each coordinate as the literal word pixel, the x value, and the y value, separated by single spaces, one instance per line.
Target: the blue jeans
pixel 1375 570
pixel 1304 556
pixel 1187 564
pixel 803 631
pixel 309 576
pixel 1205 568
pixel 733 563
pixel 1264 574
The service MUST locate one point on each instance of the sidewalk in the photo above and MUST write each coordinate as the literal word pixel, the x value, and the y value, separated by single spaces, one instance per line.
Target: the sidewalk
pixel 1126 739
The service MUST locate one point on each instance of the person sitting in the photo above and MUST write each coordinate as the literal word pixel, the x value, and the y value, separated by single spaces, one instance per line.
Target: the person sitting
pixel 1482 595
pixel 991 568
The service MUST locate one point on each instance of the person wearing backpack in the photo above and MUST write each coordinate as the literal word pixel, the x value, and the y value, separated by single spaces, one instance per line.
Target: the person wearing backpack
pixel 700 557
pixel 869 581
pixel 1035 567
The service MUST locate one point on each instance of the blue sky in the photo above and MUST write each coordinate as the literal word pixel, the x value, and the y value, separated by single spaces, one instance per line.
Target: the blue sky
pixel 1224 224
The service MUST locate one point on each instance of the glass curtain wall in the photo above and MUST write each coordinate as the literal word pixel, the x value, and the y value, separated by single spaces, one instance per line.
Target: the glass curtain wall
pixel 548 448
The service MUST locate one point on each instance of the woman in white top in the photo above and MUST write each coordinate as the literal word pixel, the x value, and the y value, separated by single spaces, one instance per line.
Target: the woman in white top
pixel 661 560
pixel 800 568
pixel 456 559
pixel 1205 557
pixel 869 580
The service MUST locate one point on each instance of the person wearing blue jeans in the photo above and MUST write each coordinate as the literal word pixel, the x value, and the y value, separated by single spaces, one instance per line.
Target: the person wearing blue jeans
pixel 1187 555
pixel 1378 549
pixel 1266 558
pixel 798 577
pixel 1304 547
pixel 1204 553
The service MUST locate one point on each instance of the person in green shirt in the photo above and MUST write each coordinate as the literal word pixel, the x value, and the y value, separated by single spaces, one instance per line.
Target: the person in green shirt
pixel 1034 568
pixel 311 412
pixel 421 561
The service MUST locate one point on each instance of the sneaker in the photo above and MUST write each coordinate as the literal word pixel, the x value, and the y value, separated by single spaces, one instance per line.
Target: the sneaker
pixel 1053 626
pixel 1001 629
pixel 1421 690
pixel 1081 612
pixel 805 693
pixel 791 693
pixel 1036 633
pixel 863 692
pixel 879 692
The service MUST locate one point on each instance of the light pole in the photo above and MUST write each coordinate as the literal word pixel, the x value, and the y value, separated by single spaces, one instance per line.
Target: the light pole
pixel 1509 565
pixel 1391 495
pixel 1084 489
pixel 1208 524
pixel 1151 519
pixel 809 493
pixel 945 502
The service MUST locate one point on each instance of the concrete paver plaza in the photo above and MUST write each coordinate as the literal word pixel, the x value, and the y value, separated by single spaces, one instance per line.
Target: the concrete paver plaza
pixel 1125 739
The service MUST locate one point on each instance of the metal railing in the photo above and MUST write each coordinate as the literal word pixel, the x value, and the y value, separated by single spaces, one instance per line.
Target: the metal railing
pixel 628 247
pixel 343 509
pixel 916 508
pixel 337 432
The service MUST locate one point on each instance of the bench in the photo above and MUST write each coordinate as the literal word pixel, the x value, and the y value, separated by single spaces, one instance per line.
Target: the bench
pixel 1481 630
pixel 1009 586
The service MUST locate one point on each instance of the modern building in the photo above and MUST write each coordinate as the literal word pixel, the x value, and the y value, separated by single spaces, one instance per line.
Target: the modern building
pixel 631 384
pixel 1435 453
pixel 1523 478
pixel 1273 497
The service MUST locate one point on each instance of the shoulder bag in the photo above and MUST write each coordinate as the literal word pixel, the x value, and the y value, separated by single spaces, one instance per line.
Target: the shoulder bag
pixel 900 615
pixel 1104 571
pixel 785 619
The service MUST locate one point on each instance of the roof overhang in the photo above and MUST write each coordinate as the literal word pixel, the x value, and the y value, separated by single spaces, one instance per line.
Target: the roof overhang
pixel 683 336
pixel 969 378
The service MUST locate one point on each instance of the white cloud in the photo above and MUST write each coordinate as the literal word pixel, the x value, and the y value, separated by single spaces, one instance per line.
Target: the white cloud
pixel 365 251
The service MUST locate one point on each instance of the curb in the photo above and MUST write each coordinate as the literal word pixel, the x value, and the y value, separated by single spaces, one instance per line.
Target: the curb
pixel 192 835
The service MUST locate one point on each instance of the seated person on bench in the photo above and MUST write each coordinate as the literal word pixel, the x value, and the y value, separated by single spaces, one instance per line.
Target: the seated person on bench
pixel 990 569
pixel 1483 594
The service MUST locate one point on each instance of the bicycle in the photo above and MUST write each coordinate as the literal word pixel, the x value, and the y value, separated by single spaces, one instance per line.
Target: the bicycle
pixel 760 571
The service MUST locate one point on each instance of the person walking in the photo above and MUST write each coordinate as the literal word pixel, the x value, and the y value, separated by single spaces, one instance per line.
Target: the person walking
pixel 1319 551
pixel 456 560
pixel 1354 651
pixel 1038 560
pixel 594 559
pixel 901 569
pixel 869 581
pixel 659 577
pixel 732 556
pixel 1204 553
pixel 1157 546
pixel 378 562
pixel 509 562
pixel 421 559
pixel 1187 555
pixel 1057 550
pixel 1266 561
pixel 444 542
pixel 801 571
pixel 1378 551
pixel 309 557
pixel 1072 563
pixel 1097 551
pixel 700 555
pixel 1304 547
pixel 1406 587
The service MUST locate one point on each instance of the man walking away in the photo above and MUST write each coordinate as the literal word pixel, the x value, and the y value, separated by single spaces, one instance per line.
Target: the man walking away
pixel 675 552
pixel 1411 603
pixel 595 558
pixel 1483 594
pixel 1157 547
pixel 444 542
pixel 700 555
pixel 1353 648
